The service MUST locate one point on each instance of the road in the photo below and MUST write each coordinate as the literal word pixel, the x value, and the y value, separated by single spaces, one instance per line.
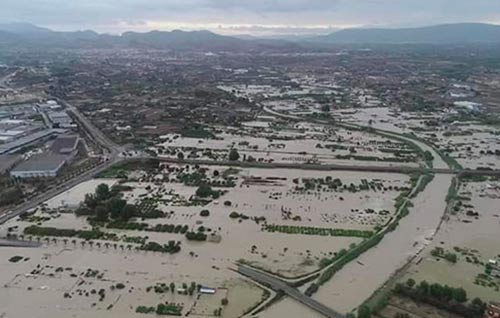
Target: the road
pixel 278 285
pixel 111 159
pixel 324 167
pixel 34 202
pixel 92 130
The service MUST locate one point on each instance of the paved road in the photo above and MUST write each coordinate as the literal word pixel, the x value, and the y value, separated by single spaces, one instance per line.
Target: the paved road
pixel 325 167
pixel 92 130
pixel 278 285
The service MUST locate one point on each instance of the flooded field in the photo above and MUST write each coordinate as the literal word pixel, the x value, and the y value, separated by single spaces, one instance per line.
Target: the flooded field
pixel 358 280
pixel 471 234
pixel 281 220
pixel 290 143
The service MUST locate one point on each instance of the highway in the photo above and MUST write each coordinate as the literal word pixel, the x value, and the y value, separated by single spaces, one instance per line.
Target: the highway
pixel 278 285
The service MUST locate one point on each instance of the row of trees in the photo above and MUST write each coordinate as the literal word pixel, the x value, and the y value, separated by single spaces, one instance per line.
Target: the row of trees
pixel 442 296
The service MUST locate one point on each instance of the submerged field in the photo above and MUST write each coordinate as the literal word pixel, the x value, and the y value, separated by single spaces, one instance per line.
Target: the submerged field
pixel 284 221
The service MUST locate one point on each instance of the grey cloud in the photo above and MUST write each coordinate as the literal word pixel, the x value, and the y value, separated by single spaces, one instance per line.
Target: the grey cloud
pixel 113 14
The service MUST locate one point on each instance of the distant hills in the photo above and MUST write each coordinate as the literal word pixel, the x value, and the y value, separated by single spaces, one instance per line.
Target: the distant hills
pixel 438 34
pixel 28 35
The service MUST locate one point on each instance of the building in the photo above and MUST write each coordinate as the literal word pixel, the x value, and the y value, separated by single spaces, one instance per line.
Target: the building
pixel 207 290
pixel 492 310
pixel 42 166
pixel 7 162
pixel 15 145
pixel 61 119
pixel 65 145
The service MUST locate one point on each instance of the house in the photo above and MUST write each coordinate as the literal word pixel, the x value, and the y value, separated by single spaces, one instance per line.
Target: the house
pixel 207 290
pixel 492 310
pixel 41 166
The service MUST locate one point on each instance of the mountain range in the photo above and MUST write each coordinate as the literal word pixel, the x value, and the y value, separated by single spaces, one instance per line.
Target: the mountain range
pixel 28 35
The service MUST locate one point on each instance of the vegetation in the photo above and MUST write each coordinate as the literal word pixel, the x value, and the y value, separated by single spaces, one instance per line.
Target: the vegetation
pixel 308 230
pixel 15 259
pixel 105 204
pixel 441 253
pixel 57 232
pixel 442 296
pixel 234 155
pixel 171 248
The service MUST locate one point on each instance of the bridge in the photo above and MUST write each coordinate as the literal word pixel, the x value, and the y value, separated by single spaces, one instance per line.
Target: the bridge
pixel 280 286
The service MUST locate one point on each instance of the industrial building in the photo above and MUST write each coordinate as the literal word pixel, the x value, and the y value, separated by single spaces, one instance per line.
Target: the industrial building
pixel 41 166
pixel 65 145
pixel 61 119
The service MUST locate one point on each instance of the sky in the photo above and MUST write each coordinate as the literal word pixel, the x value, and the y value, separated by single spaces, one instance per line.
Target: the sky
pixel 257 17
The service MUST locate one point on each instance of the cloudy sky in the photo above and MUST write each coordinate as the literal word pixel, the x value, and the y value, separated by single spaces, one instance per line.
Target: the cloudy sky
pixel 244 16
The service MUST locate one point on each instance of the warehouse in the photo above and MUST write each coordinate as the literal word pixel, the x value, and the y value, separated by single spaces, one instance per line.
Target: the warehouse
pixel 42 166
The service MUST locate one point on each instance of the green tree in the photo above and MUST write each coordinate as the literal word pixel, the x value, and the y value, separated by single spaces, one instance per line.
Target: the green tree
pixel 459 295
pixel 101 213
pixel 204 191
pixel 364 312
pixel 115 206
pixel 128 212
pixel 410 282
pixel 90 201
pixel 234 155
pixel 102 192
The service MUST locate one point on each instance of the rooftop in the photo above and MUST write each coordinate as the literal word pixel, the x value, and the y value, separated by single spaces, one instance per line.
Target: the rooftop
pixel 64 144
pixel 44 162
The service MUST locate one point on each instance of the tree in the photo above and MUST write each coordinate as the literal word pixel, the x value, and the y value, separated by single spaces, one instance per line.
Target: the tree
pixel 115 206
pixel 90 201
pixel 180 155
pixel 204 191
pixel 102 192
pixel 459 295
pixel 364 312
pixel 101 213
pixel 128 212
pixel 410 282
pixel 234 155
pixel 325 108
pixel 204 213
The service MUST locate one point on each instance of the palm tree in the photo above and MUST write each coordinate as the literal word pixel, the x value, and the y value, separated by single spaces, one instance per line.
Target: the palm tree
pixel 91 243
pixel 65 241
pixel 98 244
pixel 121 247
pixel 129 247
pixel 115 245
pixel 54 240
pixel 47 240
pixel 106 245
pixel 74 242
pixel 83 243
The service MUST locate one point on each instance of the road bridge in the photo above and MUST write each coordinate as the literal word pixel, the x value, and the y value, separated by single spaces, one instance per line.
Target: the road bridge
pixel 279 285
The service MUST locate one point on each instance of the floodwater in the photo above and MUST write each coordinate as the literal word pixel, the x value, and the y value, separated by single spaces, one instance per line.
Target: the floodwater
pixel 359 279
pixel 480 235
